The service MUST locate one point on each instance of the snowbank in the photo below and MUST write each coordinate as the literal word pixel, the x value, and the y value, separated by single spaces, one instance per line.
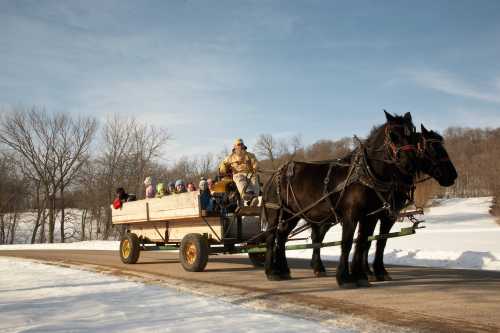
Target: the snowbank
pixel 86 245
pixel 43 298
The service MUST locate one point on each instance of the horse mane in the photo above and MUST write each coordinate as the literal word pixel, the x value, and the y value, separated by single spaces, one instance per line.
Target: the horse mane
pixel 375 135
pixel 436 135
pixel 378 133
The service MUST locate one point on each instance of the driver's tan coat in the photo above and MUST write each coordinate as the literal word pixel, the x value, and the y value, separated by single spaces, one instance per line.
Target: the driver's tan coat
pixel 245 163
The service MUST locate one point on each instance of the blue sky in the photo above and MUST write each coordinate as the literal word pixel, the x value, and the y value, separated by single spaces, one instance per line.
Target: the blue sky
pixel 211 71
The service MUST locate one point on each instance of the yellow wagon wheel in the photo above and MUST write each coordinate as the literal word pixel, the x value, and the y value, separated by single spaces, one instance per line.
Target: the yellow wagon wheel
pixel 193 253
pixel 130 248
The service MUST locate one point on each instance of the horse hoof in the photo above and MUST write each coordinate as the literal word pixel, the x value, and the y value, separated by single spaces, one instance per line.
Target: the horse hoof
pixel 286 276
pixel 372 278
pixel 363 283
pixel 274 277
pixel 384 277
pixel 348 285
pixel 319 274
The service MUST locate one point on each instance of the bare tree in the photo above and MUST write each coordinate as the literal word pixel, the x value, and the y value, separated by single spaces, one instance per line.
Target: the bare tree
pixel 129 150
pixel 147 145
pixel 28 133
pixel 70 151
pixel 205 165
pixel 51 147
pixel 296 144
pixel 11 198
pixel 267 147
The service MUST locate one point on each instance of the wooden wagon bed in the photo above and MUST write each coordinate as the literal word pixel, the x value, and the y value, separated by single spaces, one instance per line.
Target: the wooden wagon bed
pixel 170 218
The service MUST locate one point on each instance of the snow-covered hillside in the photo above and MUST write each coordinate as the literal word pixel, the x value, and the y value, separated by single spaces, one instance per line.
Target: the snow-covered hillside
pixel 459 233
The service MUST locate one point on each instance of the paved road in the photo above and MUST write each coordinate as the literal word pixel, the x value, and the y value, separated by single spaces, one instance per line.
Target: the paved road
pixel 425 299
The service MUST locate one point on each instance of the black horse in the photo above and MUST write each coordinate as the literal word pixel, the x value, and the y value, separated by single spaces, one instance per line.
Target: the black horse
pixel 339 191
pixel 433 160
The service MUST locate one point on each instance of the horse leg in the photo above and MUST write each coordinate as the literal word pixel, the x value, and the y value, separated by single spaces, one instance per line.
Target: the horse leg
pixel 366 267
pixel 281 238
pixel 381 273
pixel 317 235
pixel 270 266
pixel 357 268
pixel 344 279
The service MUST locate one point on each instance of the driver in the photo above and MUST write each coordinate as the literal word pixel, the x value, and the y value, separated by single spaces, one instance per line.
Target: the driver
pixel 243 166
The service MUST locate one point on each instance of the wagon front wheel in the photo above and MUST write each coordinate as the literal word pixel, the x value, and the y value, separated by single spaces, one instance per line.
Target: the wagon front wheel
pixel 130 248
pixel 193 252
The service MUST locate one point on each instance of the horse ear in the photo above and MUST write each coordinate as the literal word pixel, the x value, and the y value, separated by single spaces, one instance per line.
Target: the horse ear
pixel 407 116
pixel 424 130
pixel 389 117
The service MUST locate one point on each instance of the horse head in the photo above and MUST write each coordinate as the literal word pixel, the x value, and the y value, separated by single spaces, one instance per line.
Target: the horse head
pixel 434 159
pixel 400 142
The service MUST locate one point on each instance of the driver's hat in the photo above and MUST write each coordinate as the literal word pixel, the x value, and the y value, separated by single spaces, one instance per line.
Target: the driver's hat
pixel 239 142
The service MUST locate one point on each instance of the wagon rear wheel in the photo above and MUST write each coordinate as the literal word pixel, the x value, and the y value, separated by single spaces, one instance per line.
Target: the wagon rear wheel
pixel 193 253
pixel 258 259
pixel 130 248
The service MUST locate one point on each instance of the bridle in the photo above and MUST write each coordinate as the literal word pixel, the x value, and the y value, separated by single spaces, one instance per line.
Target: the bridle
pixel 395 150
pixel 424 148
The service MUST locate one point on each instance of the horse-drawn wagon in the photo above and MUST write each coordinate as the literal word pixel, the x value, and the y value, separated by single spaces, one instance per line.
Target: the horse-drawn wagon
pixel 374 182
pixel 179 222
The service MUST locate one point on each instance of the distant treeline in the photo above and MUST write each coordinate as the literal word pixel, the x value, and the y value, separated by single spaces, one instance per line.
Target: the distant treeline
pixel 50 162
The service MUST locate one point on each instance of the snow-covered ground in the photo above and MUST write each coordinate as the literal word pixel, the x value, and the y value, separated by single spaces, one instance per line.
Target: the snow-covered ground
pixel 73 220
pixel 459 233
pixel 86 245
pixel 44 298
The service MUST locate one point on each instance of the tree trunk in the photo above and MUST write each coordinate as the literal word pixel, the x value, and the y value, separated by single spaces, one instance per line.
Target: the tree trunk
pixel 82 225
pixel 62 213
pixel 52 218
pixel 35 228
pixel 37 224
pixel 108 225
pixel 2 229
pixel 107 215
pixel 13 228
pixel 39 213
pixel 42 227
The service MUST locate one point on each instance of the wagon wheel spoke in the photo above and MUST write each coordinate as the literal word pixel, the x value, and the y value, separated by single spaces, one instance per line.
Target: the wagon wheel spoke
pixel 190 253
pixel 126 248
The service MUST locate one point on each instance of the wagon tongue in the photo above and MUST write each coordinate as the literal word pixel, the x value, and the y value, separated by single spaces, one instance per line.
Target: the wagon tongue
pixel 418 211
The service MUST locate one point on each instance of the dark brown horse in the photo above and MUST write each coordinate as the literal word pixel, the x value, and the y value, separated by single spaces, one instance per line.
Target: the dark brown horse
pixel 347 191
pixel 433 160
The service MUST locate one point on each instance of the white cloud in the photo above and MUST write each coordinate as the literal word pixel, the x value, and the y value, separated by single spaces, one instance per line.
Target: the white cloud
pixel 452 85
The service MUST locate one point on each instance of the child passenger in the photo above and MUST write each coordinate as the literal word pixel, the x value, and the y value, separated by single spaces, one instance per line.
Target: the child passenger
pixel 150 187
